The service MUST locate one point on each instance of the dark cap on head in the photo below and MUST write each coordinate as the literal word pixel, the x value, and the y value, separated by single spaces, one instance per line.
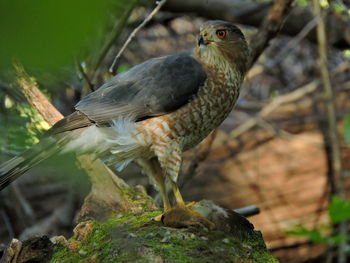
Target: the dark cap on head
pixel 220 24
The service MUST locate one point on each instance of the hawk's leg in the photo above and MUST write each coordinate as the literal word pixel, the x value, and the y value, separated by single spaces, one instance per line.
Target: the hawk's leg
pixel 152 168
pixel 170 163
pixel 182 215
pixel 178 197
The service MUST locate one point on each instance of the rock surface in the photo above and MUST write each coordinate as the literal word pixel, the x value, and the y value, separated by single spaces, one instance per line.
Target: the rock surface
pixel 136 238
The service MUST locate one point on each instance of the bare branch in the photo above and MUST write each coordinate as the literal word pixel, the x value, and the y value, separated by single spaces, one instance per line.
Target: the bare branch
pixel 335 169
pixel 328 91
pixel 273 105
pixel 270 27
pixel 114 36
pixel 292 44
pixel 135 31
pixel 85 76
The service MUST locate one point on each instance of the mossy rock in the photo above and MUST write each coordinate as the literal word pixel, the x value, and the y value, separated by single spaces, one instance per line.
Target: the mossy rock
pixel 136 238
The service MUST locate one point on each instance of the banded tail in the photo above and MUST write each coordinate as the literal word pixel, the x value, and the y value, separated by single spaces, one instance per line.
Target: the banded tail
pixel 15 167
pixel 113 144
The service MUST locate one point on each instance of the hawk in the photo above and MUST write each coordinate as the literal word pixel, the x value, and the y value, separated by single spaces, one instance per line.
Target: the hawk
pixel 152 112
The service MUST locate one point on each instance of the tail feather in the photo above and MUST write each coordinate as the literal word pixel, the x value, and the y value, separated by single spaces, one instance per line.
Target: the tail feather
pixel 101 141
pixel 15 167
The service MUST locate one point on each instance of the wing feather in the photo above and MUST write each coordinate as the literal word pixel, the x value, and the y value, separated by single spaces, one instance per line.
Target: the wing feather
pixel 152 88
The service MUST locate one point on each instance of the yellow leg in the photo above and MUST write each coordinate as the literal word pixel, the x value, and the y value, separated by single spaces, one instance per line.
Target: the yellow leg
pixel 165 197
pixel 152 168
pixel 178 197
pixel 182 215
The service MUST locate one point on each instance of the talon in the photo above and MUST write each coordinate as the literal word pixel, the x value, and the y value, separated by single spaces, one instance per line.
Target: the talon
pixel 191 203
pixel 182 216
pixel 158 218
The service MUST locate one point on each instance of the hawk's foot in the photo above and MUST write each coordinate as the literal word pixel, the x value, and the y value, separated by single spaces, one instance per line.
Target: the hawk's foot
pixel 159 218
pixel 183 216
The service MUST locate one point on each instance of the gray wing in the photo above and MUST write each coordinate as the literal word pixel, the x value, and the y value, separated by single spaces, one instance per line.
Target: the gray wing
pixel 152 88
pixel 155 87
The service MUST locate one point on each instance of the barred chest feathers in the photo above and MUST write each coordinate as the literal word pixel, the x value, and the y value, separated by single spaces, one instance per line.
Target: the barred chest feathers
pixel 190 124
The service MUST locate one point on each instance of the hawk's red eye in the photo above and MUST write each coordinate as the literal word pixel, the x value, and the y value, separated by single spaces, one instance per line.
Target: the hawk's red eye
pixel 221 33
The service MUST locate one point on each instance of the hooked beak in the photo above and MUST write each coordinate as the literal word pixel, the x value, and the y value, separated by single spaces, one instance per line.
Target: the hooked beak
pixel 203 41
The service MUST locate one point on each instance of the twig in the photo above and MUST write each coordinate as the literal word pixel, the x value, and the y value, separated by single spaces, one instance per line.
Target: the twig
pixel 293 43
pixel 280 55
pixel 85 76
pixel 114 36
pixel 335 171
pixel 135 31
pixel 270 27
pixel 329 96
pixel 274 104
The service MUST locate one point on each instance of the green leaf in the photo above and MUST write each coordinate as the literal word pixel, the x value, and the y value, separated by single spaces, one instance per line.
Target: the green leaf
pixel 338 8
pixel 314 235
pixel 339 209
pixel 324 4
pixel 302 3
pixel 347 128
pixel 123 67
pixel 336 240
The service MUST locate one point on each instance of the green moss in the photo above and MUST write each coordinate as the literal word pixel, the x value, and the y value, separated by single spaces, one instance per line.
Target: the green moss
pixel 60 255
pixel 137 197
pixel 134 238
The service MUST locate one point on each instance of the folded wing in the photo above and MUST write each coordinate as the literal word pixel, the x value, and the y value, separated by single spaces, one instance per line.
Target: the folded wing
pixel 152 88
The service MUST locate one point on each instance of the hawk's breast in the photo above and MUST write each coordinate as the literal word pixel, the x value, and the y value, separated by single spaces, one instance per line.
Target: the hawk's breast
pixel 190 124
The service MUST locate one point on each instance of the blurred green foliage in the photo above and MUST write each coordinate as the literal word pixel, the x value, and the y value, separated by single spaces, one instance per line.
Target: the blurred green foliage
pixel 22 127
pixel 47 34
pixel 47 37
pixel 338 211
pixel 339 8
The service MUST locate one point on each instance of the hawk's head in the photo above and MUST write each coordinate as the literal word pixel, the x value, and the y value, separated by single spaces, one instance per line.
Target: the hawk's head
pixel 220 42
